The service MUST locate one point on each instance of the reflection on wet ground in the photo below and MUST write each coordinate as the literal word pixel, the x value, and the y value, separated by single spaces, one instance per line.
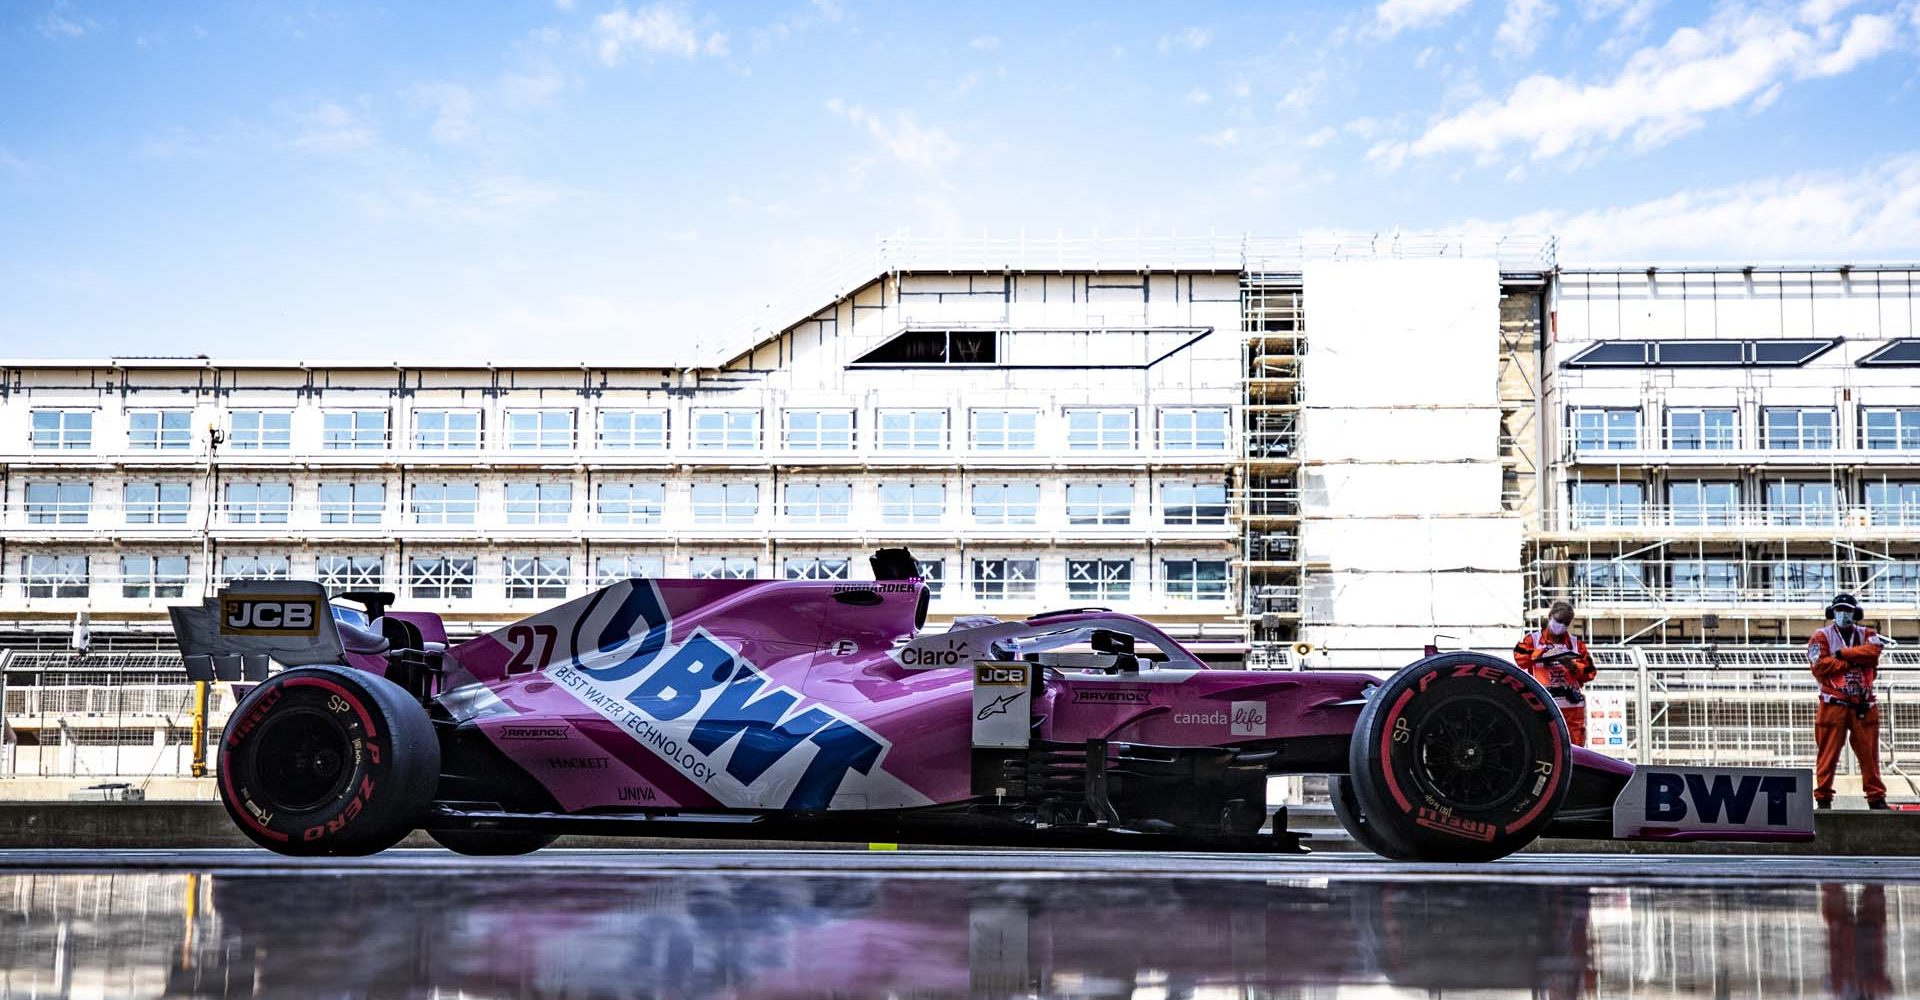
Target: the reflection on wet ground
pixel 579 932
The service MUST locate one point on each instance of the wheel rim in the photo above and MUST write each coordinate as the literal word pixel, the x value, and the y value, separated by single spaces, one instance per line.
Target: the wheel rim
pixel 304 759
pixel 1471 753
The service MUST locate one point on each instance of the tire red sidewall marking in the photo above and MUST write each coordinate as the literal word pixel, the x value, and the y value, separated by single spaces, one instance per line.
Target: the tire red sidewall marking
pixel 226 781
pixel 1556 732
pixel 1386 745
pixel 351 699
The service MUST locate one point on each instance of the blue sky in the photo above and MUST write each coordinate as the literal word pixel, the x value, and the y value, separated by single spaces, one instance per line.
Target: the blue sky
pixel 596 179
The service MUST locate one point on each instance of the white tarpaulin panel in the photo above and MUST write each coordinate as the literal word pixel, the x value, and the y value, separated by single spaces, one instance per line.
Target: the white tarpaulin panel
pixel 1400 491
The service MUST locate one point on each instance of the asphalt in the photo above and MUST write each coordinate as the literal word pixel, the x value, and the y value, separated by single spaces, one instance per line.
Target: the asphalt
pixel 930 923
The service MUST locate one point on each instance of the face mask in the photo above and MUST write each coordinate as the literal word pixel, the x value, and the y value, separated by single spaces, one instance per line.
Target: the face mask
pixel 1557 627
pixel 1843 619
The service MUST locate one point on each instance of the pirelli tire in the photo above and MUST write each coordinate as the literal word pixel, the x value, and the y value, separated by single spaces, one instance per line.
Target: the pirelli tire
pixel 491 843
pixel 328 761
pixel 1459 757
pixel 1347 809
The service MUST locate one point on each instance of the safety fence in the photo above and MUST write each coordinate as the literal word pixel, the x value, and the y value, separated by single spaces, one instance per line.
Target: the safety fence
pixel 131 714
pixel 126 715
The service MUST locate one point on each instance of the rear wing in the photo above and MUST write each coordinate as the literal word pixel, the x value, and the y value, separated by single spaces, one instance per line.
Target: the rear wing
pixel 250 624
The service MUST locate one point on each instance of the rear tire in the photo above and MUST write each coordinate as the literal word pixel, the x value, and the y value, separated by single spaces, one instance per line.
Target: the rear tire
pixel 1460 757
pixel 491 843
pixel 328 761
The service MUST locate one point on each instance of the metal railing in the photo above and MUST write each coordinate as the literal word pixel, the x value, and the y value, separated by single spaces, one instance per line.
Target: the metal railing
pixel 1822 518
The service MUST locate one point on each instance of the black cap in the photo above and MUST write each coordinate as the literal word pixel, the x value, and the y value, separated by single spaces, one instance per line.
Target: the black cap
pixel 1844 601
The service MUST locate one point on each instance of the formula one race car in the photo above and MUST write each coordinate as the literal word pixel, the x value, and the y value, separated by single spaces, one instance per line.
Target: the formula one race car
pixel 823 711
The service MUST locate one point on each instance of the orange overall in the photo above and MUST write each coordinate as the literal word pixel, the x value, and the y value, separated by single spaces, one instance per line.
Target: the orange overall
pixel 1569 674
pixel 1849 710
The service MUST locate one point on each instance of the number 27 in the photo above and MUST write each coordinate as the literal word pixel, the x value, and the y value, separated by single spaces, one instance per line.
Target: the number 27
pixel 532 647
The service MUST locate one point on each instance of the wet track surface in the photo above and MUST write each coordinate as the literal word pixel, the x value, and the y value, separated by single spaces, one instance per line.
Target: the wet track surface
pixel 951 924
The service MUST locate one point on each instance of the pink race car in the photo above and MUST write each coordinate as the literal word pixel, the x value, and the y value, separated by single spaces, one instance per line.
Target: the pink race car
pixel 822 711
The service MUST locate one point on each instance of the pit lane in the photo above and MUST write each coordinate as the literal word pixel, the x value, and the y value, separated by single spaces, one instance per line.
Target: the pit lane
pixel 937 923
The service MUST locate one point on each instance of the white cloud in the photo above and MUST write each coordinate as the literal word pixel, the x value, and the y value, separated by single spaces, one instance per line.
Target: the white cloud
pixel 1394 16
pixel 12 163
pixel 657 29
pixel 1198 95
pixel 908 141
pixel 60 22
pixel 1320 137
pixel 330 127
pixel 1192 39
pixel 1520 30
pixel 986 43
pixel 1662 92
pixel 452 105
pixel 1832 215
pixel 1223 138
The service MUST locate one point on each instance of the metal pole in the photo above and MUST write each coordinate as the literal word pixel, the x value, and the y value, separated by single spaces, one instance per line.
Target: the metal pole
pixel 1643 708
pixel 199 729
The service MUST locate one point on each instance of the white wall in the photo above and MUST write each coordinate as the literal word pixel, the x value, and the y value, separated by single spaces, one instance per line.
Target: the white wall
pixel 1400 489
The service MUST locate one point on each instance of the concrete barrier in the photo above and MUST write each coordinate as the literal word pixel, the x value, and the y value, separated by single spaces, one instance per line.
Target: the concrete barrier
pixel 181 825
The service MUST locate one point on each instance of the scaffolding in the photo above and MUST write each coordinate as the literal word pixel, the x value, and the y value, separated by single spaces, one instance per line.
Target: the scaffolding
pixel 1273 345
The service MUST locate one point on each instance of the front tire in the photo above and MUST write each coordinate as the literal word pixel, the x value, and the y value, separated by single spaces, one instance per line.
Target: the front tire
pixel 1460 757
pixel 328 761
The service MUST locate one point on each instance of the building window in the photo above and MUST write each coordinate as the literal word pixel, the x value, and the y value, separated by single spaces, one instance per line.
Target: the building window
pixel 816 568
pixel 1605 429
pixel 1609 580
pixel 933 573
pixel 445 503
pixel 540 430
pixel 54 576
pixel 440 578
pixel 631 503
pixel 351 572
pixel 1607 505
pixel 148 430
pixel 254 568
pixel 608 570
pixel 1100 503
pixel 539 503
pixel 817 430
pixel 1891 503
pixel 353 430
pixel 1801 503
pixel 1099 579
pixel 1004 579
pixel 1702 429
pixel 721 567
pixel 911 430
pixel 1195 579
pixel 935 347
pixel 633 430
pixel 1193 430
pixel 1799 580
pixel 818 503
pixel 1004 430
pixel 59 503
pixel 725 503
pixel 537 577
pixel 1892 583
pixel 157 503
pixel 261 430
pixel 913 503
pixel 446 430
pixel 259 503
pixel 147 576
pixel 1794 428
pixel 1890 428
pixel 1703 580
pixel 1193 503
pixel 352 503
pixel 1006 503
pixel 62 429
pixel 726 430
pixel 1696 503
pixel 1100 430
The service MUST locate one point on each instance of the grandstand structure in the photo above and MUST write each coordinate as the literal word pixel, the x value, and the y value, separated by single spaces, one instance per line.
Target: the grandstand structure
pixel 1291 452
